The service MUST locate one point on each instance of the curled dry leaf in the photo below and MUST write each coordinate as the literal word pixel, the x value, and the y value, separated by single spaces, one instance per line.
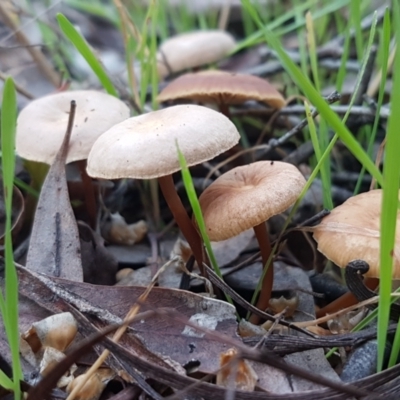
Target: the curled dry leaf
pixel 116 230
pixel 56 331
pixel 236 372
pixel 123 273
pixel 346 322
pixel 51 357
pixel 284 304
pixel 181 249
pixel 94 386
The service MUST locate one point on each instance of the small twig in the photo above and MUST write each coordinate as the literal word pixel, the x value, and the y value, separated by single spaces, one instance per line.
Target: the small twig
pixel 328 317
pixel 308 222
pixel 219 283
pixel 18 87
pixel 332 98
pixel 376 81
pixel 224 15
pixel 365 79
pixel 298 109
pixel 274 67
pixel 41 61
pixel 334 46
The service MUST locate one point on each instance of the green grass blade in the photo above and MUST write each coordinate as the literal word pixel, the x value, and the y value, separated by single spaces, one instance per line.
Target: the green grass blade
pixel 5 381
pixel 384 56
pixel 97 9
pixel 194 202
pixel 8 125
pixel 390 200
pixel 84 49
pixel 325 178
pixel 315 98
pixel 283 22
pixel 355 17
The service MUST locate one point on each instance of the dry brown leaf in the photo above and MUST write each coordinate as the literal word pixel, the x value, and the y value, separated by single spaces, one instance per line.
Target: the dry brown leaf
pixel 54 245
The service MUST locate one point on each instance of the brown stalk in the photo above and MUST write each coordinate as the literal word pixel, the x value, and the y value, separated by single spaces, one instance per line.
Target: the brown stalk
pixel 346 300
pixel 182 219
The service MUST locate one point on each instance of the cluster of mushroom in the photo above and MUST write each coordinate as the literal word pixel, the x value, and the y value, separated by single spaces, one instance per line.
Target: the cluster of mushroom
pixel 145 147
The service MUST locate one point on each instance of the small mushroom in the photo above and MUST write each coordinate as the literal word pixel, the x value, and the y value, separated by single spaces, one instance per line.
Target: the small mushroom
pixel 145 147
pixel 238 374
pixel 223 88
pixel 193 49
pixel 56 331
pixel 245 197
pixel 287 304
pixel 116 230
pixel 352 231
pixel 94 386
pixel 50 358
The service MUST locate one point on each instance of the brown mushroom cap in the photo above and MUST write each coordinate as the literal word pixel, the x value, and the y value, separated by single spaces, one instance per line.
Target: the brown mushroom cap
pixel 249 195
pixel 352 231
pixel 193 49
pixel 222 87
pixel 145 147
pixel 41 125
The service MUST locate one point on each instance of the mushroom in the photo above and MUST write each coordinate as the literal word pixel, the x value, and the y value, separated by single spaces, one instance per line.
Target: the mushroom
pixel 145 147
pixel 223 88
pixel 56 331
pixel 193 49
pixel 352 231
pixel 41 128
pixel 245 197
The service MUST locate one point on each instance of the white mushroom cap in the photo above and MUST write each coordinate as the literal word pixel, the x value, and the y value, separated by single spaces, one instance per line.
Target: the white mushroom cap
pixel 42 124
pixel 145 147
pixel 193 49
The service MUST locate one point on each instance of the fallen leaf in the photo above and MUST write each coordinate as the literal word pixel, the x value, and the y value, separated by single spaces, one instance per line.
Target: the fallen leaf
pixel 54 245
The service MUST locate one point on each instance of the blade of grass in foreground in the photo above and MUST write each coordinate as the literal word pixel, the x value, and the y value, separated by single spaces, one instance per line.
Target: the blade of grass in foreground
pixel 390 201
pixel 314 97
pixel 194 203
pixel 384 45
pixel 10 311
pixel 81 45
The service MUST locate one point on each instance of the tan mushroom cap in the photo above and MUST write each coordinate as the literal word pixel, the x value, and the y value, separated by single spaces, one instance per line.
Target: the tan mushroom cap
pixel 42 124
pixel 249 195
pixel 193 49
pixel 222 87
pixel 351 231
pixel 144 147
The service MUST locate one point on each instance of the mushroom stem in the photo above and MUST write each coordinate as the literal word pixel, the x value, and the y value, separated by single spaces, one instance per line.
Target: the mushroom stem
pixel 266 288
pixel 88 191
pixel 347 300
pixel 224 109
pixel 182 219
